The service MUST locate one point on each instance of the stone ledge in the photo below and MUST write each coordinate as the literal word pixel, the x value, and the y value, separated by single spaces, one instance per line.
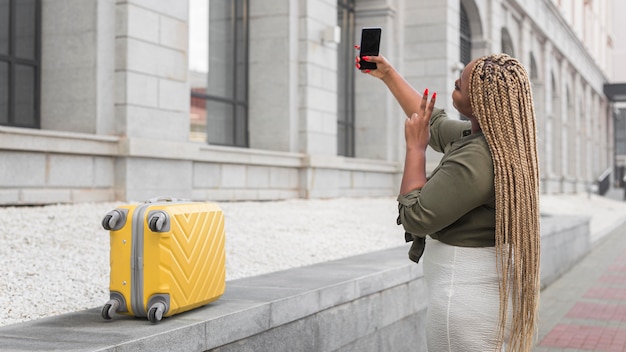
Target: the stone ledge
pixel 32 140
pixel 370 302
pixel 248 307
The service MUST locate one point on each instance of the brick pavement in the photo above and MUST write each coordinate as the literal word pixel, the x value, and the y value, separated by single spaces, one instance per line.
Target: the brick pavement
pixel 585 310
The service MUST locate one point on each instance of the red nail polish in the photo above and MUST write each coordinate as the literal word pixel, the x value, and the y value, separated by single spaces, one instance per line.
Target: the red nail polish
pixel 434 96
pixel 366 58
pixel 426 92
pixel 356 46
pixel 367 71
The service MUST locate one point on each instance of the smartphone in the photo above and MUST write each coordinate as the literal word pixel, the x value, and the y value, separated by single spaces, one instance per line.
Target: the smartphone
pixel 370 45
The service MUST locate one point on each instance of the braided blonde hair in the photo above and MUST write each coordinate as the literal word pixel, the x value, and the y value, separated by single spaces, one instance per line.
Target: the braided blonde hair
pixel 502 103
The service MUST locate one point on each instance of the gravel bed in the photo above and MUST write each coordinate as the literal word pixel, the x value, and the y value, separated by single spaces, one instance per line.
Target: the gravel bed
pixel 55 258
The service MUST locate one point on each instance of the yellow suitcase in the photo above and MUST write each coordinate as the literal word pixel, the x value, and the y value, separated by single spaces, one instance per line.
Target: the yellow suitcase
pixel 167 257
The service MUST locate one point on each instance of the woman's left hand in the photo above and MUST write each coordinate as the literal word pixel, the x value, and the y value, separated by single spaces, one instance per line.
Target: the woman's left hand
pixel 417 126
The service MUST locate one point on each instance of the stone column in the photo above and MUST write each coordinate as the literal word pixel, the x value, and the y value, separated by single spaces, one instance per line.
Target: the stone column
pixel 77 69
pixel 317 81
pixel 550 124
pixel 562 116
pixel 152 98
pixel 273 75
pixel 431 53
pixel 377 115
pixel 152 90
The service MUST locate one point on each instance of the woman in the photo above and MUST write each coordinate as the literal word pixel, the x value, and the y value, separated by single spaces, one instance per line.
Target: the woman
pixel 479 208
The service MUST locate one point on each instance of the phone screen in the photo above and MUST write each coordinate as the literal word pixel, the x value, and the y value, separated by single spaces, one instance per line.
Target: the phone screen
pixel 370 45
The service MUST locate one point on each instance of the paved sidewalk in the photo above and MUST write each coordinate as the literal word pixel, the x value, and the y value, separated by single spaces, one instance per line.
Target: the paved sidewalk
pixel 585 309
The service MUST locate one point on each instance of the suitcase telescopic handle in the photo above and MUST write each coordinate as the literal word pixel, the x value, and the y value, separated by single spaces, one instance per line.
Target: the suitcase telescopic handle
pixel 162 199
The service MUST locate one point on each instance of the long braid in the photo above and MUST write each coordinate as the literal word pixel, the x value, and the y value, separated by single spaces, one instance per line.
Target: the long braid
pixel 502 103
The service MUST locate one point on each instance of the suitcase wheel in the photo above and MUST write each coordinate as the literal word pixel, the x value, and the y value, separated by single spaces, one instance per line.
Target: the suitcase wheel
pixel 112 221
pixel 109 309
pixel 155 313
pixel 157 221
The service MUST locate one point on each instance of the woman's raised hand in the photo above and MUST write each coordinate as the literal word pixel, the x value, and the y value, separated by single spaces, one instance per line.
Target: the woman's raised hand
pixel 383 66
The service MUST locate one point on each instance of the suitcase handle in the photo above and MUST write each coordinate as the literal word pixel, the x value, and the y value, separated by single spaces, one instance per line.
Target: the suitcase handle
pixel 162 199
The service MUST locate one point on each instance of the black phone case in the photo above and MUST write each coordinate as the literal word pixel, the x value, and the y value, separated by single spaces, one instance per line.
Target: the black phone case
pixel 370 46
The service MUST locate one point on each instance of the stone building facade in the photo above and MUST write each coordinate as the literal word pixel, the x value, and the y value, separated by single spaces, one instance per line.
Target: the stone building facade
pixel 259 100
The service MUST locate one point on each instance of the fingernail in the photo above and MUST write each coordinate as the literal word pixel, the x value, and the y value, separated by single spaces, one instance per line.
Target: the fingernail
pixel 426 91
pixel 434 96
pixel 367 71
pixel 358 66
pixel 356 46
pixel 366 58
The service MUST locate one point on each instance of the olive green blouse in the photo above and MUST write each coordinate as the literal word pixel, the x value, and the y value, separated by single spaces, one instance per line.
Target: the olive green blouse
pixel 457 204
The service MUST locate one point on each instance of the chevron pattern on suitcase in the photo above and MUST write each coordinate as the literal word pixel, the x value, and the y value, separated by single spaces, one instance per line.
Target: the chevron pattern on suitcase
pixel 192 263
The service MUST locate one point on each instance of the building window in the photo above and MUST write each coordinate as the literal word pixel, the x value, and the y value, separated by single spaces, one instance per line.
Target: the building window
pixel 20 42
pixel 466 38
pixel 620 132
pixel 507 43
pixel 218 71
pixel 534 72
pixel 345 83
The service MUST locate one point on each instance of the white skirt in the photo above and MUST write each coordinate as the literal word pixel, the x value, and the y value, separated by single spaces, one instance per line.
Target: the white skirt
pixel 464 299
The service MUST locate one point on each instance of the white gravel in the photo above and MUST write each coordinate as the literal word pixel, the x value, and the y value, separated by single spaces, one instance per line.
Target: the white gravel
pixel 55 259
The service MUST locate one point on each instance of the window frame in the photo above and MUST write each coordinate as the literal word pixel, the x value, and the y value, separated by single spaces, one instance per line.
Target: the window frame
pixel 13 62
pixel 234 102
pixel 346 139
pixel 465 34
pixel 506 42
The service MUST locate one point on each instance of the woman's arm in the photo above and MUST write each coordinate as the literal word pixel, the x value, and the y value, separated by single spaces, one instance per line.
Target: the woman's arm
pixel 417 125
pixel 408 98
pixel 417 135
pixel 463 182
